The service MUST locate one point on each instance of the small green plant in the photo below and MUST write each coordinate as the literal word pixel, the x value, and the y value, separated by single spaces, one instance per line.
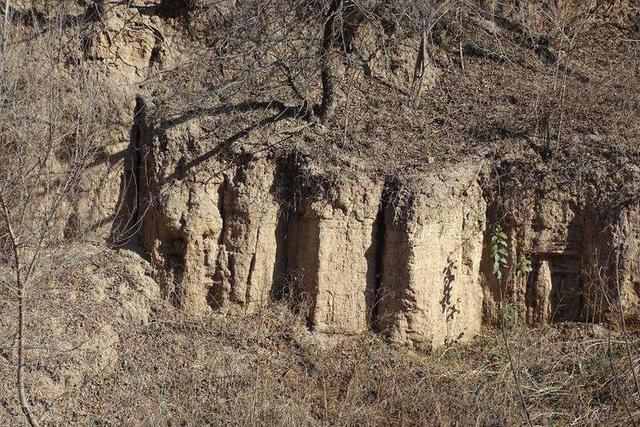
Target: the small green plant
pixel 509 315
pixel 499 252
pixel 523 268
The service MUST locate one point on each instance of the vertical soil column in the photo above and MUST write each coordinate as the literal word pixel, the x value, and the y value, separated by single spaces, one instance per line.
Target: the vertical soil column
pixel 430 292
pixel 332 255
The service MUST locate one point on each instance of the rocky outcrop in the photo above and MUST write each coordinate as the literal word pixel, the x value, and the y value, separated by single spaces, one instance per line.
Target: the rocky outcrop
pixel 407 258
pixel 553 235
pixel 183 222
pixel 350 256
pixel 624 263
pixel 120 47
pixel 583 263
pixel 182 234
pixel 250 254
pixel 213 231
pixel 228 230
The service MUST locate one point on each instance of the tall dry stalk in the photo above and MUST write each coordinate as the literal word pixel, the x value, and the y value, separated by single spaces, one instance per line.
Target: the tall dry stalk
pixel 20 289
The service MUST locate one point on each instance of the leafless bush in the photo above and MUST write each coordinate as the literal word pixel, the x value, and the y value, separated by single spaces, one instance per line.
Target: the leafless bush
pixel 50 126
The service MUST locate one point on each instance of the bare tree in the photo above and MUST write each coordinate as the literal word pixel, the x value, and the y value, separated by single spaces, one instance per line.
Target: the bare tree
pixel 49 126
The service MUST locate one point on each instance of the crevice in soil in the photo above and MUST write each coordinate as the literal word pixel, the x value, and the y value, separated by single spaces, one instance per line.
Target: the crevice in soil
pixel 128 218
pixel 174 251
pixel 215 295
pixel 379 233
pixel 252 267
pixel 283 192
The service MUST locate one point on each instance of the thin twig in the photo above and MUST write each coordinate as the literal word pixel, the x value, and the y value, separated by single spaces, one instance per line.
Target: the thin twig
pixel 623 325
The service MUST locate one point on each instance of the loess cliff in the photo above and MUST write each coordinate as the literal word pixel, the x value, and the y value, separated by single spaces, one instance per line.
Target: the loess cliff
pixel 357 158
pixel 380 215
pixel 246 211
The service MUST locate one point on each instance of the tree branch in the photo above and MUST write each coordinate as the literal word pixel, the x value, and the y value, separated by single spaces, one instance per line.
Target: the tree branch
pixel 328 104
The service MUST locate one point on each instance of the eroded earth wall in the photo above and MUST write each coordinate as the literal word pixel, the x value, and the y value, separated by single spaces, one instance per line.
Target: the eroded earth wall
pixel 430 290
pixel 409 257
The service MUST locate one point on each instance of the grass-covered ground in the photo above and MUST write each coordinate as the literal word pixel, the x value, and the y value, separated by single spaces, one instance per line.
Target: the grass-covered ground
pixel 104 349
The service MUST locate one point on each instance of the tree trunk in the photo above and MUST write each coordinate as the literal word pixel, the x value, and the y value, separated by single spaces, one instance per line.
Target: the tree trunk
pixel 20 287
pixel 328 104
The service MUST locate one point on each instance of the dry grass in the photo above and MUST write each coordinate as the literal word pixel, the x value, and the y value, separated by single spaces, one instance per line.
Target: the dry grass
pixel 231 372
pixel 117 355
pixel 547 94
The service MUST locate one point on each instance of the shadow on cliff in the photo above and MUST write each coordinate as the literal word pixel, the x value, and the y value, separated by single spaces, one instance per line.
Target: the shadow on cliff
pixel 127 218
pixel 224 148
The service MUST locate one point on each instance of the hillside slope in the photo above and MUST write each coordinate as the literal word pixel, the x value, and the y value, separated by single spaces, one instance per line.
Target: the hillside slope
pixel 320 212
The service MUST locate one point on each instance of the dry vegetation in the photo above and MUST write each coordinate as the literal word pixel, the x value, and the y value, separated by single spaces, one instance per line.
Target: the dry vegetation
pixel 105 350
pixel 548 86
pixel 548 89
pixel 274 374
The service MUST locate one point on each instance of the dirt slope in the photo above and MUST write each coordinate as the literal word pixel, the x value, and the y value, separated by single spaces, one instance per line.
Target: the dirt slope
pixel 105 348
